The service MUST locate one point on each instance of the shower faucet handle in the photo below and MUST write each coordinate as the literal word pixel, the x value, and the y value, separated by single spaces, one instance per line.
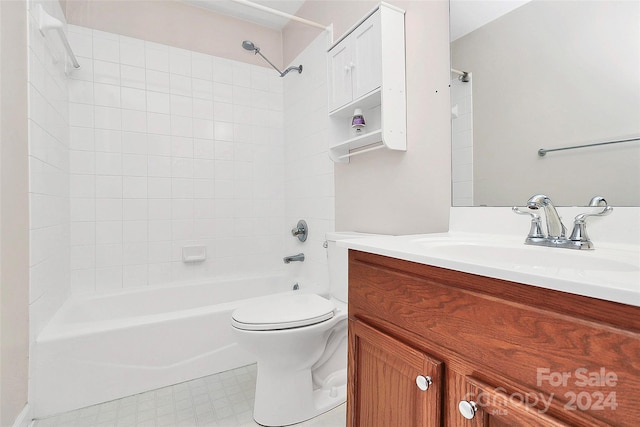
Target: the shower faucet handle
pixel 300 230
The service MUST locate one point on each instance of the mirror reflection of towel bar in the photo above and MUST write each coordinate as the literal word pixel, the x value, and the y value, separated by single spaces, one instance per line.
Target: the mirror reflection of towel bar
pixel 543 151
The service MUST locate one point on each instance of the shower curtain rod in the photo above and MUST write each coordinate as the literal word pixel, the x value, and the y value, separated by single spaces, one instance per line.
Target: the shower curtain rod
pixel 280 13
pixel 463 76
pixel 47 22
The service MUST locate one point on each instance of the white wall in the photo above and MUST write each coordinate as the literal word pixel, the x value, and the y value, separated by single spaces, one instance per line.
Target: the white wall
pixel 395 192
pixel 14 213
pixel 171 148
pixel 309 182
pixel 549 75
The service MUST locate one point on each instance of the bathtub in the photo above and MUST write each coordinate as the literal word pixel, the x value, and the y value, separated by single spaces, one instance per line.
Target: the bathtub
pixel 103 347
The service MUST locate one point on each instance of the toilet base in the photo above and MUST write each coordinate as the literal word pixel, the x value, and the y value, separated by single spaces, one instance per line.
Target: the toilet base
pixel 301 372
pixel 289 405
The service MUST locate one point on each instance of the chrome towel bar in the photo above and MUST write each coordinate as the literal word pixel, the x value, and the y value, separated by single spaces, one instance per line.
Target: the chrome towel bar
pixel 544 151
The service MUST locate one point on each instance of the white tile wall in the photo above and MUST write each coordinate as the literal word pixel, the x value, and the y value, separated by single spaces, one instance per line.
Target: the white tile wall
pixel 309 179
pixel 49 164
pixel 148 148
pixel 462 142
pixel 171 148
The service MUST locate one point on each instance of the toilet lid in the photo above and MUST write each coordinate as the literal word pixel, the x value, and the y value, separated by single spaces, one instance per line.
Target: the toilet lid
pixel 282 312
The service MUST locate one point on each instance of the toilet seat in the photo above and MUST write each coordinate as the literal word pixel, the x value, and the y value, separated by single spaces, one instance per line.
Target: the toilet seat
pixel 288 311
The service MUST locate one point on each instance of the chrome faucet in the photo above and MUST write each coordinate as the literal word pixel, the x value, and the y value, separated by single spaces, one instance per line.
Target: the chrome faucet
pixel 555 227
pixel 556 231
pixel 298 257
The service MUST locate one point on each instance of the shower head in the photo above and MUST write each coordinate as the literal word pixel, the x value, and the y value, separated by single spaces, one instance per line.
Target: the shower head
pixel 248 45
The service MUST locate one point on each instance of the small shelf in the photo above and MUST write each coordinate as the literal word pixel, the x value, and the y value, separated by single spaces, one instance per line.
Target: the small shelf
pixel 366 102
pixel 344 141
pixel 367 142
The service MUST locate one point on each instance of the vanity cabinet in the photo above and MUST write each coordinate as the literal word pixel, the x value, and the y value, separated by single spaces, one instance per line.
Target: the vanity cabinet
pixel 499 409
pixel 397 385
pixel 359 79
pixel 501 353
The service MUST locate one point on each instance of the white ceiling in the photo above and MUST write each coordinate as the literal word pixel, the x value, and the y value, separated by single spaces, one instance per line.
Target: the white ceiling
pixel 469 15
pixel 247 13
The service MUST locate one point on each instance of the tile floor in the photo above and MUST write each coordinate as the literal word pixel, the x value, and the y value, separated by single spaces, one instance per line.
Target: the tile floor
pixel 221 400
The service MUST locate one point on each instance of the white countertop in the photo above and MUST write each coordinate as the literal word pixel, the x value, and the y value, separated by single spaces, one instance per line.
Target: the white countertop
pixel 610 272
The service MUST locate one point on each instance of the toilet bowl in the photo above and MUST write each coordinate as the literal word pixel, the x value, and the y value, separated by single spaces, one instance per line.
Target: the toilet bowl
pixel 300 342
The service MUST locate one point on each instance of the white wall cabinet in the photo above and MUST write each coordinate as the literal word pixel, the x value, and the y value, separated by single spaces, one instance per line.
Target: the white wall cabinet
pixel 355 64
pixel 367 72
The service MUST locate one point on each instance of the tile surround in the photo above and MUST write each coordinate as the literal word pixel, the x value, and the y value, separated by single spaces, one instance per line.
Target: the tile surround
pixel 462 142
pixel 49 182
pixel 309 180
pixel 170 148
pixel 159 146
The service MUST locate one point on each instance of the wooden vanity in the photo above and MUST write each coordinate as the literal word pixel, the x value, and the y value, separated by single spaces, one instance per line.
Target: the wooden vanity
pixel 427 344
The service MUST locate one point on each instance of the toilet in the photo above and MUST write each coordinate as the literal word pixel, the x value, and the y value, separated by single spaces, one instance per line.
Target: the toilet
pixel 300 342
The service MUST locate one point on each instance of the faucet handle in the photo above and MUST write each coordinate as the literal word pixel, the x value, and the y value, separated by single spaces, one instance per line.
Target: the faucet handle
pixel 536 223
pixel 597 201
pixel 300 230
pixel 579 233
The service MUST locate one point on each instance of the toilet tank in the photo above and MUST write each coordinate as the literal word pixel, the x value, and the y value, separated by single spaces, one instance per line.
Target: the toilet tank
pixel 338 262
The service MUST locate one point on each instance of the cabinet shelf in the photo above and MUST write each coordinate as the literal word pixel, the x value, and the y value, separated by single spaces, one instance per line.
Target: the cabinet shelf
pixel 357 145
pixel 366 102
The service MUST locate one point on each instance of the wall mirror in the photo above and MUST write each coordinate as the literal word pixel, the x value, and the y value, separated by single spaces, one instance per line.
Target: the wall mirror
pixel 530 75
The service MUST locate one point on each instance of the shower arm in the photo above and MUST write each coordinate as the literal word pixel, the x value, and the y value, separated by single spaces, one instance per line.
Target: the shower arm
pixel 282 73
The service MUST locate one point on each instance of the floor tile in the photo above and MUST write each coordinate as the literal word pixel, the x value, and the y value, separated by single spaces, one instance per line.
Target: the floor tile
pixel 221 400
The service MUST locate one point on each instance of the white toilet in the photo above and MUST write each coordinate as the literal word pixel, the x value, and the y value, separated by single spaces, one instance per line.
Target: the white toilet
pixel 300 341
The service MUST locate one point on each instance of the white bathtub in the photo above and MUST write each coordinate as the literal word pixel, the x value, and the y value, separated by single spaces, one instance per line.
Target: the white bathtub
pixel 100 348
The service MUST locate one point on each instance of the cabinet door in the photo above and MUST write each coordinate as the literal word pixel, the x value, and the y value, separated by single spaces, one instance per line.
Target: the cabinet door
pixel 384 374
pixel 367 56
pixel 486 406
pixel 340 88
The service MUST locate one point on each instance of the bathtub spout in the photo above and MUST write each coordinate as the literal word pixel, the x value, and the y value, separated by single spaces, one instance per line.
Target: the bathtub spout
pixel 288 259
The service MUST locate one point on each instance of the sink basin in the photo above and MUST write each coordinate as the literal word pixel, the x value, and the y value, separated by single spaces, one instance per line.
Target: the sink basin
pixel 520 256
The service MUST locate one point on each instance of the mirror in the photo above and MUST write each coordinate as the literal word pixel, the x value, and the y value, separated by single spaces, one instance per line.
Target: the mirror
pixel 545 74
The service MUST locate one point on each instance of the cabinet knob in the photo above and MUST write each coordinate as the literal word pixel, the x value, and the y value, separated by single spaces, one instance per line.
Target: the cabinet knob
pixel 423 382
pixel 347 68
pixel 467 409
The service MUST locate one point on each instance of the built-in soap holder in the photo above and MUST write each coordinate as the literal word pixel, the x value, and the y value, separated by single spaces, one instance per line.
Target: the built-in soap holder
pixel 191 254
